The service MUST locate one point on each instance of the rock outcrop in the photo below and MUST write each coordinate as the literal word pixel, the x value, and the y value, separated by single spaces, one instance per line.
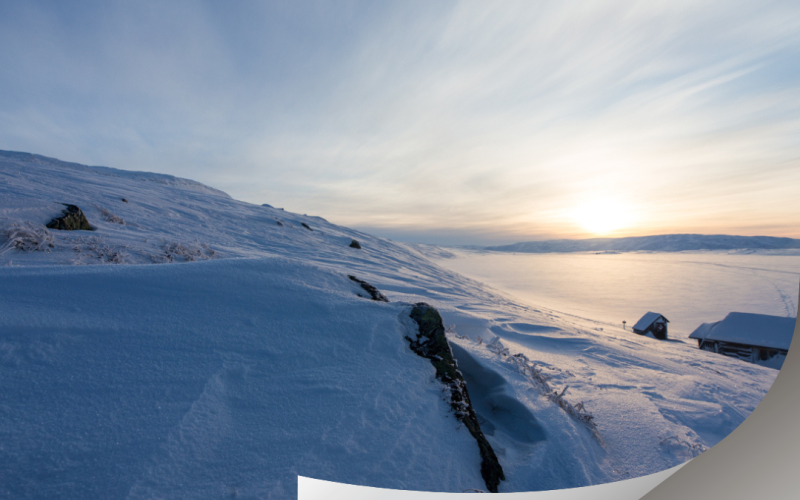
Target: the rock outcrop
pixel 432 344
pixel 355 244
pixel 72 218
pixel 374 293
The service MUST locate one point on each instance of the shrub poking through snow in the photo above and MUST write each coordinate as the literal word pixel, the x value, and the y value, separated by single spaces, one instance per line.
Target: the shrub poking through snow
pixel 682 448
pixel 451 330
pixel 72 219
pixel 530 371
pixel 431 343
pixel 373 292
pixel 95 248
pixel 183 252
pixel 28 238
pixel 110 217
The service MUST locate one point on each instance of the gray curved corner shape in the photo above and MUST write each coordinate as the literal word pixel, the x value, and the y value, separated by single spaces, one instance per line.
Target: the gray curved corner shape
pixel 760 459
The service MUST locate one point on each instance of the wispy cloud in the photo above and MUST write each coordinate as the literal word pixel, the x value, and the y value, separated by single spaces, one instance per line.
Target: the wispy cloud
pixel 472 121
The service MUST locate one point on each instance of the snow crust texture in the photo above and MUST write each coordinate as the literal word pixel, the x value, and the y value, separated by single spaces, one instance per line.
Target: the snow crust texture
pixel 219 379
pixel 195 346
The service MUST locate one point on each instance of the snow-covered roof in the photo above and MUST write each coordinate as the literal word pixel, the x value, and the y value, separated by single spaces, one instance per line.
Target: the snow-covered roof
pixel 702 331
pixel 750 329
pixel 647 320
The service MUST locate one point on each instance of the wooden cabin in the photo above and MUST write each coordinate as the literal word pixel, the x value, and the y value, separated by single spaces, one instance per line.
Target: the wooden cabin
pixel 653 323
pixel 757 338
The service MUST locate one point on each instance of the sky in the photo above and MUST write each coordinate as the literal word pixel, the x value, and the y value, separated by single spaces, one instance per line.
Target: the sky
pixel 435 122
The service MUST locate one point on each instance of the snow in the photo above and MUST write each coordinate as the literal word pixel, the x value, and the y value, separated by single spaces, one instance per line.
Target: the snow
pixel 202 350
pixel 188 381
pixel 760 330
pixel 646 321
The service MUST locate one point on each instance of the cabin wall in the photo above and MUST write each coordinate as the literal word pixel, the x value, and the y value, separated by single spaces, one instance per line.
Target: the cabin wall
pixel 772 358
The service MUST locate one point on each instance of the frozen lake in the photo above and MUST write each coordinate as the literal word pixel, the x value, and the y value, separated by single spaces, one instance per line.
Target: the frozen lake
pixel 687 288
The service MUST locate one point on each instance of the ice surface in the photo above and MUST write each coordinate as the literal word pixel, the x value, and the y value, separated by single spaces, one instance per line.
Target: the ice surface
pixel 687 288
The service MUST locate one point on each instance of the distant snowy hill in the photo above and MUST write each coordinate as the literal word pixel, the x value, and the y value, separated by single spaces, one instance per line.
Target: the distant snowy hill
pixel 196 346
pixel 659 243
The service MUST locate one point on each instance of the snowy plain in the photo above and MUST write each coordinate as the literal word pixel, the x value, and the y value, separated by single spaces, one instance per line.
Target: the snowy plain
pixel 196 346
pixel 689 288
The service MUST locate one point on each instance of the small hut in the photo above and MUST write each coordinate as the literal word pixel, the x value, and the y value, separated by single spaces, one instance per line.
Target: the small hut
pixel 653 323
pixel 757 338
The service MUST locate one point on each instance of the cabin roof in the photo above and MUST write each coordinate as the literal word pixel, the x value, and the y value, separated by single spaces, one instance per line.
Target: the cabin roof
pixel 647 320
pixel 760 330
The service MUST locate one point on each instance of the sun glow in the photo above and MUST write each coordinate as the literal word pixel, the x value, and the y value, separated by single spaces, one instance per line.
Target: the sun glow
pixel 603 216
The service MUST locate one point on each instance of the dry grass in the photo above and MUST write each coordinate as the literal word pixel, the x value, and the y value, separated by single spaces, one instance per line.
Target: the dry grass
pixel 183 252
pixel 27 238
pixel 534 375
pixel 110 217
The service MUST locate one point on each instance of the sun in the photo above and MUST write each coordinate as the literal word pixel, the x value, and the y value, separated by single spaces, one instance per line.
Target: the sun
pixel 602 216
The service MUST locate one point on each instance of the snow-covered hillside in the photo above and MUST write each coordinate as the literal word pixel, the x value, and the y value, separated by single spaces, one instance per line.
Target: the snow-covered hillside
pixel 217 348
pixel 659 243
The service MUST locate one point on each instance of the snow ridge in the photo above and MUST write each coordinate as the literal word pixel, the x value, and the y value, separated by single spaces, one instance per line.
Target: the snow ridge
pixel 39 161
pixel 659 243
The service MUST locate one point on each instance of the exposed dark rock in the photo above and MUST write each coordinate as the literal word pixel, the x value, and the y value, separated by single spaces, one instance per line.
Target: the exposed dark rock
pixel 374 293
pixel 306 226
pixel 355 244
pixel 432 344
pixel 123 199
pixel 71 219
pixel 280 223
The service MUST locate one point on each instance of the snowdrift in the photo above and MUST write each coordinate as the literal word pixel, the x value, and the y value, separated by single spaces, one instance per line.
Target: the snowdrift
pixel 220 379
